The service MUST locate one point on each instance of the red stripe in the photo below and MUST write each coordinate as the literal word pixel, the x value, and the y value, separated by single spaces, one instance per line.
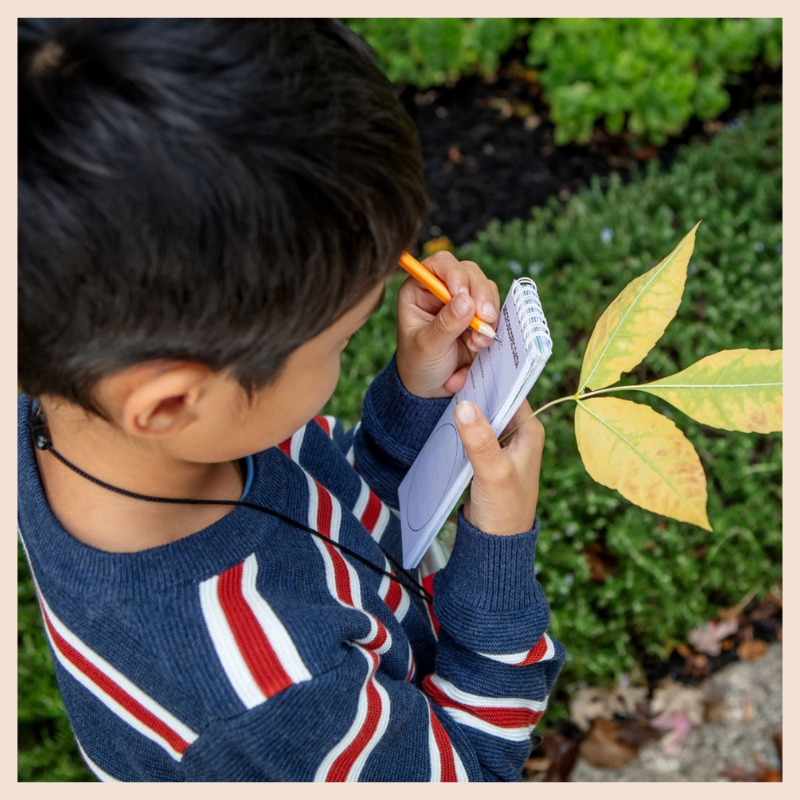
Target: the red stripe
pixel 427 584
pixel 258 653
pixel 114 690
pixel 372 512
pixel 381 636
pixel 518 717
pixel 394 595
pixel 286 446
pixel 323 423
pixel 342 765
pixel 324 510
pixel 324 517
pixel 445 750
pixel 536 653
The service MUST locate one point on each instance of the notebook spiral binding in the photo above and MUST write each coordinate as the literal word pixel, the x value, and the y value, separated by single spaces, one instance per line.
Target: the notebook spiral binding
pixel 532 319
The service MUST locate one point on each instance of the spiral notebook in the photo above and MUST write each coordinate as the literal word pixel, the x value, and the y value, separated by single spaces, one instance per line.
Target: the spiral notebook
pixel 499 379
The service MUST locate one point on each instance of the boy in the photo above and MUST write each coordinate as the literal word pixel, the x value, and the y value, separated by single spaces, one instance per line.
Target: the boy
pixel 208 211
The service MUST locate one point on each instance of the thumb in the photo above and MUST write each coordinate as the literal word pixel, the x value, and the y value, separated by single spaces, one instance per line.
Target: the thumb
pixel 480 442
pixel 450 322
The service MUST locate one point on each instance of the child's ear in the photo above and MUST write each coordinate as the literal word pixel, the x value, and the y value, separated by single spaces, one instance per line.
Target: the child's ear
pixel 160 399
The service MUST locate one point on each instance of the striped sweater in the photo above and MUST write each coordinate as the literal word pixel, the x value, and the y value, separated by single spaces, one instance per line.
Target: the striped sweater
pixel 254 651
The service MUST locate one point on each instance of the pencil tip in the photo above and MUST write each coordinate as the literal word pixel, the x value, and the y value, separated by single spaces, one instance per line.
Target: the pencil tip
pixel 497 338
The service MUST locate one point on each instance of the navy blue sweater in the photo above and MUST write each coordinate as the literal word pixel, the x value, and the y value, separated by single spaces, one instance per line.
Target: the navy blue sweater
pixel 252 650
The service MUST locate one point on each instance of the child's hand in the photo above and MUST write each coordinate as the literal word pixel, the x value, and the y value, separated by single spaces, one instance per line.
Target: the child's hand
pixel 435 345
pixel 505 488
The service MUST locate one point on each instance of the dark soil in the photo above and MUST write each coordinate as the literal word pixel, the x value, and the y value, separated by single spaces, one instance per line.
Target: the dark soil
pixel 489 150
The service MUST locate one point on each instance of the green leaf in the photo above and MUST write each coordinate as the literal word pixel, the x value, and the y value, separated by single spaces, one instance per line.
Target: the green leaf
pixel 644 456
pixel 635 321
pixel 737 390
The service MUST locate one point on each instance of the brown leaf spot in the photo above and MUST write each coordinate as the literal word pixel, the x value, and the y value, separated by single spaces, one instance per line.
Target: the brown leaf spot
pixel 752 649
pixel 602 747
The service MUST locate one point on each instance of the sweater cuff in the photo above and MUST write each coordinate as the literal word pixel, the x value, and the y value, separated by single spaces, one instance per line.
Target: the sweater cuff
pixel 396 420
pixel 487 597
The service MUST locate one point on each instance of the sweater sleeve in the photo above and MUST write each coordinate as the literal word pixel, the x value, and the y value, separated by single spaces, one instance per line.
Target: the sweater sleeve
pixel 394 426
pixel 471 719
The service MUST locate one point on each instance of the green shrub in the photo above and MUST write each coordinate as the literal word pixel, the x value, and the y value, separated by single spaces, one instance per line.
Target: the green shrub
pixel 427 52
pixel 669 576
pixel 646 76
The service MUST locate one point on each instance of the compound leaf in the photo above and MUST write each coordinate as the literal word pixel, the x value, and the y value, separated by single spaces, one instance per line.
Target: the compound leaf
pixel 635 321
pixel 644 456
pixel 737 390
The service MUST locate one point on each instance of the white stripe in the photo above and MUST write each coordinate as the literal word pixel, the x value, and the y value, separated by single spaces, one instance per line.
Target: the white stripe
pixel 467 699
pixel 155 708
pixel 469 720
pixel 383 522
pixel 351 453
pixel 518 658
pixel 383 591
pixel 296 444
pixel 461 770
pixel 273 628
pixel 336 517
pixel 331 424
pixel 363 498
pixel 226 647
pixel 98 771
pixel 313 502
pixel 433 750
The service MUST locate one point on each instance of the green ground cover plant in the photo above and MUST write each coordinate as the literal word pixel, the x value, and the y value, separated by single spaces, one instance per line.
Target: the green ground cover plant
pixel 648 77
pixel 664 577
pixel 429 52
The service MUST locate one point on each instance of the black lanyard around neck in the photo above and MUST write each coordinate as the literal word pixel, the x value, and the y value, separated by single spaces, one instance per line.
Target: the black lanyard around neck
pixel 40 437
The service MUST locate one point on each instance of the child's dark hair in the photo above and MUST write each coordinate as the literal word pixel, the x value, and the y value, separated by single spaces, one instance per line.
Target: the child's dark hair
pixel 218 191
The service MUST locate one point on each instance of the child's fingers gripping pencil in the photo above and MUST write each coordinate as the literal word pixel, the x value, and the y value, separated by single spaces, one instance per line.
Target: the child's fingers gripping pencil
pixel 439 290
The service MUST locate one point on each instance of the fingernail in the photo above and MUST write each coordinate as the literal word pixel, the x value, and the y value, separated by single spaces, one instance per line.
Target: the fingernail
pixel 461 305
pixel 487 311
pixel 465 412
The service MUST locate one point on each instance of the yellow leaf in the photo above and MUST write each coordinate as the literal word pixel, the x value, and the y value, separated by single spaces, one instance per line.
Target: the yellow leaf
pixel 737 390
pixel 434 245
pixel 640 453
pixel 635 321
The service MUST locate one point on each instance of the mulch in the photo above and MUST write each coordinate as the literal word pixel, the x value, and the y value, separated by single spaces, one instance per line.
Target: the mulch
pixel 489 150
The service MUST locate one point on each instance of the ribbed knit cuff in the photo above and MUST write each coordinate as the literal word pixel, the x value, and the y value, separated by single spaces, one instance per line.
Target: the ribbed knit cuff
pixel 487 597
pixel 398 421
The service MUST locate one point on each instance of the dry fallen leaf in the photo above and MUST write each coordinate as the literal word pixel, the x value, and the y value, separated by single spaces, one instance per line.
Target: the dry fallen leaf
pixel 602 748
pixel 752 649
pixel 554 759
pixel 588 703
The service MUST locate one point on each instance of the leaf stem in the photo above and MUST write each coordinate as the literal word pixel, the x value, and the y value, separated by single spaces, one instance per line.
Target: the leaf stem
pixel 535 414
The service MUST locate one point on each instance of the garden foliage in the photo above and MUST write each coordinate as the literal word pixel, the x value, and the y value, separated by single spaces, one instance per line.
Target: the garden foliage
pixel 427 52
pixel 646 76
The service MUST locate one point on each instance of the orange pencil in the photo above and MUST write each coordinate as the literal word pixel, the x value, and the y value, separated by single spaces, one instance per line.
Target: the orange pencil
pixel 437 288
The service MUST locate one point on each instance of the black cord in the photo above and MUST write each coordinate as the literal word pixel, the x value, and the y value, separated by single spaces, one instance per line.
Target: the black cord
pixel 41 441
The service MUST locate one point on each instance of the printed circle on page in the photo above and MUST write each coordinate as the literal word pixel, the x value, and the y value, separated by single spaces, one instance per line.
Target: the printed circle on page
pixel 428 486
